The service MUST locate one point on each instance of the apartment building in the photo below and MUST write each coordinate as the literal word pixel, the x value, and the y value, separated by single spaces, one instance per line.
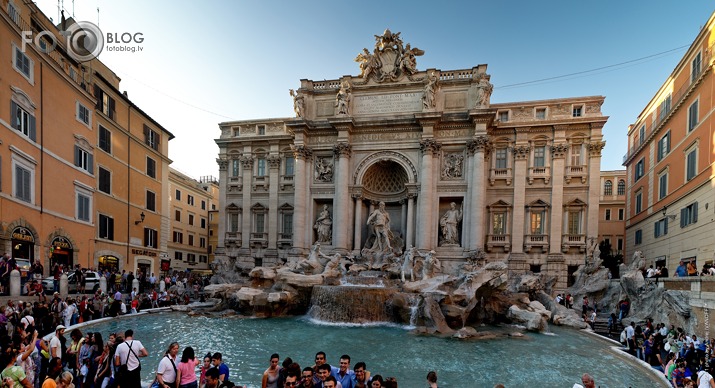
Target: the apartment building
pixel 670 197
pixel 612 210
pixel 190 202
pixel 83 170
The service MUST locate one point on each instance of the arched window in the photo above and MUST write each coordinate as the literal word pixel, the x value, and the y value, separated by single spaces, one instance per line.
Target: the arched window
pixel 608 188
pixel 621 187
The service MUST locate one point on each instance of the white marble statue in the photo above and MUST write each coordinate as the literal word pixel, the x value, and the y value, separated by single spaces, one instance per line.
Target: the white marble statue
pixel 484 91
pixel 380 220
pixel 448 222
pixel 323 170
pixel 408 264
pixel 342 100
pixel 431 265
pixel 312 265
pixel 368 63
pixel 298 103
pixel 408 63
pixel 428 98
pixel 453 166
pixel 324 226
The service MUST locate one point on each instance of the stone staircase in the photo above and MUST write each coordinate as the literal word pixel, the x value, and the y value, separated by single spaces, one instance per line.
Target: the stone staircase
pixel 601 328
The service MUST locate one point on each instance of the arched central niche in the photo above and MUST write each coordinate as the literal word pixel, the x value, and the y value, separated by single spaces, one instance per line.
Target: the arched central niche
pixel 385 179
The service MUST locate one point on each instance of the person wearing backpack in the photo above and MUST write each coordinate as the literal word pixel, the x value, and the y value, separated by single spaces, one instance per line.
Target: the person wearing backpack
pixel 126 358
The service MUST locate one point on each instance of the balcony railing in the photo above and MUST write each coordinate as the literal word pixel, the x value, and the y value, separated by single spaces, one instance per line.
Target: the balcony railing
pixel 573 241
pixel 498 241
pixel 536 241
pixel 287 180
pixel 233 238
pixel 539 173
pixel 576 172
pixel 500 173
pixel 259 238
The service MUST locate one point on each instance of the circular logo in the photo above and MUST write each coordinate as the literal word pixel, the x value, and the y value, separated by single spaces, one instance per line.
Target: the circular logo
pixel 84 41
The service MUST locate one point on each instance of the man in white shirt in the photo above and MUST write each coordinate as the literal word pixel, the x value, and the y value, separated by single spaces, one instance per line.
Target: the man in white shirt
pixel 56 342
pixel 166 372
pixel 630 332
pixel 128 353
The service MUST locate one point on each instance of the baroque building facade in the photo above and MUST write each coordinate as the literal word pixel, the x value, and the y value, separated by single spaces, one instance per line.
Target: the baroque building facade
pixel 670 163
pixel 422 158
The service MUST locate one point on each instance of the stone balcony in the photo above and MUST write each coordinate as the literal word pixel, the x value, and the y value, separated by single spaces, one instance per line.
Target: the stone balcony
pixel 536 241
pixel 233 238
pixel 285 239
pixel 260 182
pixel 499 241
pixel 576 172
pixel 258 238
pixel 287 181
pixel 539 173
pixel 573 241
pixel 500 174
pixel 235 183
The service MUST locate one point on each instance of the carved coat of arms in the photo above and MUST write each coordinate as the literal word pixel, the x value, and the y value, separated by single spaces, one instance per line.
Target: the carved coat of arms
pixel 389 60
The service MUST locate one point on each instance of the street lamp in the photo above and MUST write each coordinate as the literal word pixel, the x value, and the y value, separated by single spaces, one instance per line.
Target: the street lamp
pixel 141 216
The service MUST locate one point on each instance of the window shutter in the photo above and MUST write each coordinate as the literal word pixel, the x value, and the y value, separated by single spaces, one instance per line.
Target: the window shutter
pixel 13 115
pixel 683 212
pixel 695 213
pixel 110 228
pixel 660 151
pixel 668 137
pixel 146 237
pixel 33 132
pixel 157 143
pixel 90 161
pixel 665 226
pixel 111 108
pixel 26 185
pixel 146 135
pixel 98 96
pixel 77 157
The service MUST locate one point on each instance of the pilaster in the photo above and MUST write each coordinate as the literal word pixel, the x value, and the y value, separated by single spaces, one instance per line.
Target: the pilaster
pixel 521 154
pixel 302 155
pixel 558 153
pixel 247 164
pixel 426 228
pixel 274 164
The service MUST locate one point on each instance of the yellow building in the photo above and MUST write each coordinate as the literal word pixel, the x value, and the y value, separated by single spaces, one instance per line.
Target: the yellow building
pixel 190 203
pixel 84 170
pixel 670 164
pixel 612 213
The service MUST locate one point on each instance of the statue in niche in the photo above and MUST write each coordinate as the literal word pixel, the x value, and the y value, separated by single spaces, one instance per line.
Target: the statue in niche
pixel 324 226
pixel 448 222
pixel 380 220
pixel 298 103
pixel 484 91
pixel 453 166
pixel 323 170
pixel 409 62
pixel 428 98
pixel 430 266
pixel 342 100
pixel 368 63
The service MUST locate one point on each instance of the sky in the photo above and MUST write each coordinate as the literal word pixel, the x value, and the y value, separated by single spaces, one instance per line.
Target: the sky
pixel 210 61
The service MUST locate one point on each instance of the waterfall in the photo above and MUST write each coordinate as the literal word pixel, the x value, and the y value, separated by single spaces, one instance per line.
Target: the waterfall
pixel 351 304
pixel 414 309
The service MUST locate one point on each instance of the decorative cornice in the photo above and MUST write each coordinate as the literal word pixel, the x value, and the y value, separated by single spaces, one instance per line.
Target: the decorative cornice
pixel 301 152
pixel 430 145
pixel 522 129
pixel 521 151
pixel 594 148
pixel 558 151
pixel 342 149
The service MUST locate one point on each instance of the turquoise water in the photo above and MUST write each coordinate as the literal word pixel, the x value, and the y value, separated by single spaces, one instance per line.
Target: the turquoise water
pixel 536 360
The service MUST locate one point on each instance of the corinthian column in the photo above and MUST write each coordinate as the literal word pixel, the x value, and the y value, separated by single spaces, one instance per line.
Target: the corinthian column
pixel 274 163
pixel 301 154
pixel 477 190
pixel 247 164
pixel 426 219
pixel 594 187
pixel 223 198
pixel 558 152
pixel 341 211
pixel 521 154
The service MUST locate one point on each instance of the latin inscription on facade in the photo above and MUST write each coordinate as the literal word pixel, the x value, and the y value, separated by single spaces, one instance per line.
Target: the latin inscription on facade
pixel 387 103
pixel 384 136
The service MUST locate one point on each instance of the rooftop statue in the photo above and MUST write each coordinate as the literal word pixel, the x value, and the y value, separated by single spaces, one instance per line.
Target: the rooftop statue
pixel 389 60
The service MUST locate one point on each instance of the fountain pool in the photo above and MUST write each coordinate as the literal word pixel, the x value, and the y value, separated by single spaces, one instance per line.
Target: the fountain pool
pixel 536 360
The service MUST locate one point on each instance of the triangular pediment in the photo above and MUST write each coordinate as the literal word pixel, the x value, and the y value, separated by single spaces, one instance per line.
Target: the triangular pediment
pixel 499 204
pixel 576 203
pixel 286 207
pixel 258 207
pixel 232 207
pixel 538 203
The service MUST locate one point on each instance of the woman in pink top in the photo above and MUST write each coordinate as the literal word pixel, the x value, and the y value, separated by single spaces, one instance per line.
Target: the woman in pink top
pixel 186 370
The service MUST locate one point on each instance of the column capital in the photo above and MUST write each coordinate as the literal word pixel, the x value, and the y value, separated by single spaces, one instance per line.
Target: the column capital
pixel 274 161
pixel 222 162
pixel 301 152
pixel 247 161
pixel 343 150
pixel 595 148
pixel 430 146
pixel 478 144
pixel 521 151
pixel 558 151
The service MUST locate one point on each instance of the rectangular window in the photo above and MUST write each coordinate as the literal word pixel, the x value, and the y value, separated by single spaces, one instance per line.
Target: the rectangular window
pixel 695 68
pixel 191 219
pixel 576 155
pixel 23 121
pixel 191 258
pixel 105 181
pixel 500 158
pixel 619 244
pixel 621 214
pixel 105 139
pixel 106 227
pixel 693 116
pixel 202 242
pixel 288 223
pixel 177 215
pixel 504 116
pixel 641 134
pixel 150 201
pixel 608 215
pixel 689 215
pixel 260 222
pixel 639 202
pixel 178 237
pixel 23 64
pixel 639 237
pixel 261 167
pixel 177 195
pixel 83 114
pixel 663 146
pixel 83 207
pixel 499 223
pixel 574 221
pixel 203 223
pixel 621 187
pixel 539 156
pixel 151 138
pixel 261 129
pixel 83 159
pixel 191 240
pixel 540 113
pixel 190 199
pixel 150 238
pixel 150 167
pixel 178 256
pixel 23 183
pixel 661 227
pixel 289 166
pixel 662 186
pixel 691 164
pixel 235 163
pixel 105 103
pixel 203 205
pixel 203 259
pixel 665 107
pixel 537 225
pixel 640 169
pixel 577 111
pixel 233 222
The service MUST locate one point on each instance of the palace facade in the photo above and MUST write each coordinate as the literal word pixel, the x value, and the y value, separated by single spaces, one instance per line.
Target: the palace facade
pixel 457 174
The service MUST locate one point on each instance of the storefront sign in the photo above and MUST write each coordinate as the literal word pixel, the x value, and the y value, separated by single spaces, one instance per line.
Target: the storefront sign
pixel 22 234
pixel 143 252
pixel 61 242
